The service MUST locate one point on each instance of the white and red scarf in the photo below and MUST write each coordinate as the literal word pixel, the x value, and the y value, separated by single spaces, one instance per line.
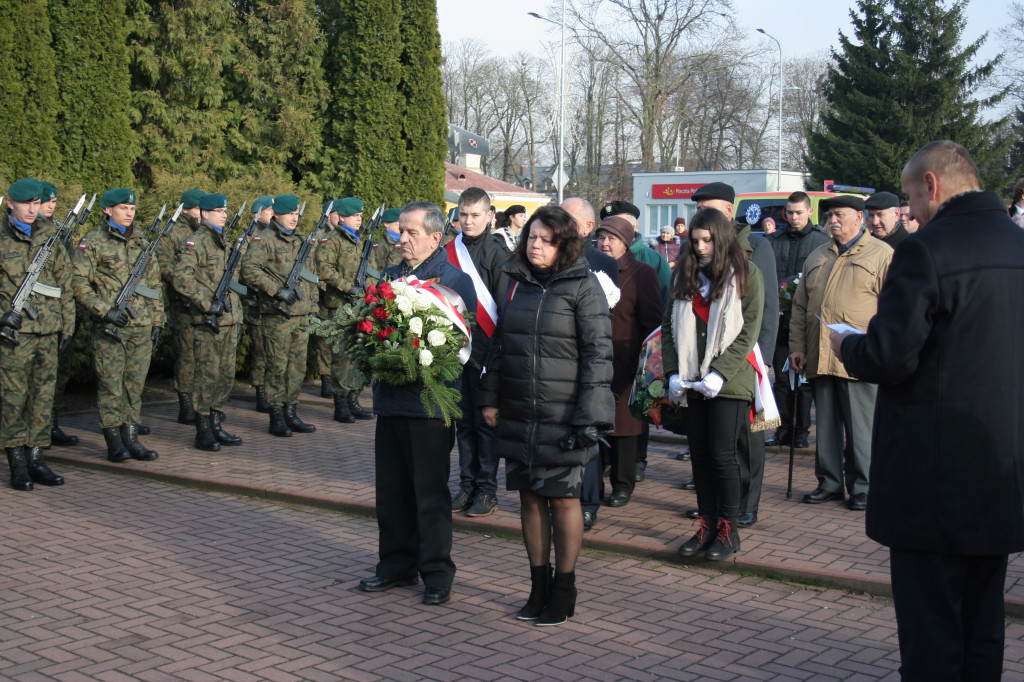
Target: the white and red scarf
pixel 486 308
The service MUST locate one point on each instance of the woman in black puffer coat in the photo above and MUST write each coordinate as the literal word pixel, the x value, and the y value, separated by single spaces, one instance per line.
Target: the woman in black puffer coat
pixel 547 389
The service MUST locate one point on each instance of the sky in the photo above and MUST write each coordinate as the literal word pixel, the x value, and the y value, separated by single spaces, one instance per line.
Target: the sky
pixel 512 30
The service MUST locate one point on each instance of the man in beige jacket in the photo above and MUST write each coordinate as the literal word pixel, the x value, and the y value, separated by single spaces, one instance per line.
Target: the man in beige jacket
pixel 840 285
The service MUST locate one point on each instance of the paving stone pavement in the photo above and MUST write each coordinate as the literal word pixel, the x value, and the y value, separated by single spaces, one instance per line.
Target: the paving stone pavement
pixel 120 578
pixel 333 468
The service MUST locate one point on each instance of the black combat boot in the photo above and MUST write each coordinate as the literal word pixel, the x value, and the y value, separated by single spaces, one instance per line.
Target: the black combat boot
pixel 702 539
pixel 341 411
pixel 325 386
pixel 58 437
pixel 116 451
pixel 278 427
pixel 204 434
pixel 726 543
pixel 562 603
pixel 143 429
pixel 222 436
pixel 357 410
pixel 20 480
pixel 261 399
pixel 130 436
pixel 186 413
pixel 39 472
pixel 540 589
pixel 293 421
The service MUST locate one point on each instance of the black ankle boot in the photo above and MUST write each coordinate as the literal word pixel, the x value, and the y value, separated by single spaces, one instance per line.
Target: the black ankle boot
pixel 39 472
pixel 116 451
pixel 20 480
pixel 293 421
pixel 222 436
pixel 726 543
pixel 278 427
pixel 261 400
pixel 702 539
pixel 57 436
pixel 540 588
pixel 357 410
pixel 341 411
pixel 130 436
pixel 186 413
pixel 562 603
pixel 204 434
pixel 325 386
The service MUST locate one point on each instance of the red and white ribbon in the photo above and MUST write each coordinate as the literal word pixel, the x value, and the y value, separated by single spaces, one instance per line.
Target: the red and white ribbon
pixel 486 308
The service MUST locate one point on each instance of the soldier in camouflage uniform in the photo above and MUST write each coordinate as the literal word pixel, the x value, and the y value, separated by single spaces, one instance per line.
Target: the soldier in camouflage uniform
pixel 28 368
pixel 337 261
pixel 201 263
pixel 179 314
pixel 102 263
pixel 321 345
pixel 263 211
pixel 284 313
pixel 386 251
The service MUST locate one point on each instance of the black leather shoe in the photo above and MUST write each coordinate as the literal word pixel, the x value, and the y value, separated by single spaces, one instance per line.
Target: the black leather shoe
pixel 435 596
pixel 144 430
pixel 641 471
pixel 858 502
pixel 821 495
pixel 683 456
pixel 378 584
pixel 747 520
pixel 619 499
pixel 781 437
pixel 800 441
pixel 690 484
pixel 589 519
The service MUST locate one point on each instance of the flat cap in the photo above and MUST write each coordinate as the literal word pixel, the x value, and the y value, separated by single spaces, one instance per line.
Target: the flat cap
pixel 618 226
pixel 391 215
pixel 617 207
pixel 286 203
pixel 262 203
pixel 348 206
pixel 847 200
pixel 715 190
pixel 212 201
pixel 26 189
pixel 49 191
pixel 119 195
pixel 190 198
pixel 882 200
pixel 515 209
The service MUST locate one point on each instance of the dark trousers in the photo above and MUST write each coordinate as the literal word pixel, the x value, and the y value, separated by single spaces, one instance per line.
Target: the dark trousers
pixel 623 461
pixel 478 465
pixel 641 444
pixel 783 394
pixel 949 615
pixel 414 517
pixel 750 458
pixel 713 430
pixel 592 491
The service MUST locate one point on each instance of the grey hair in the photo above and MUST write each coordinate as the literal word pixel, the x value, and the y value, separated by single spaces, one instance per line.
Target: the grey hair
pixel 433 218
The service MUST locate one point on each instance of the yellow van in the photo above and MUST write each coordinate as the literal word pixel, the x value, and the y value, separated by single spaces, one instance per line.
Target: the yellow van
pixel 753 207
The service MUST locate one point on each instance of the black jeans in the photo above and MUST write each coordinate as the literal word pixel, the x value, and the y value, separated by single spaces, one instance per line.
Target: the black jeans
pixel 713 429
pixel 623 461
pixel 478 465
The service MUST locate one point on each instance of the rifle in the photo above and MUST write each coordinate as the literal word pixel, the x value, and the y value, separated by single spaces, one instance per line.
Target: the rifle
pixel 448 223
pixel 227 282
pixel 30 284
pixel 70 234
pixel 367 236
pixel 298 268
pixel 134 284
pixel 233 223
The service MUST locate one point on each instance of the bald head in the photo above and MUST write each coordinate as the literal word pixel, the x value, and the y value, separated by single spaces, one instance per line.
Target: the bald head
pixel 937 172
pixel 582 212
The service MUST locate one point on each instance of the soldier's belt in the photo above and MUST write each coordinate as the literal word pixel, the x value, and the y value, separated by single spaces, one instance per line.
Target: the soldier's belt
pixel 147 292
pixel 308 276
pixel 46 290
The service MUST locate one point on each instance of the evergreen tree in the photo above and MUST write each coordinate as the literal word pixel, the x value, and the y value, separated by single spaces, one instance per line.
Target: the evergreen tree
pixel 28 116
pixel 97 143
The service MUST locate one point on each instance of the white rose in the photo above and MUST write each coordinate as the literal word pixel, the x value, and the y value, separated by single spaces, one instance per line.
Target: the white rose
pixel 416 326
pixel 399 287
pixel 422 302
pixel 435 338
pixel 426 357
pixel 404 304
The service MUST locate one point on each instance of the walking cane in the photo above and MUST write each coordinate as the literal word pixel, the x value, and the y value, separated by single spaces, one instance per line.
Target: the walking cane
pixel 794 384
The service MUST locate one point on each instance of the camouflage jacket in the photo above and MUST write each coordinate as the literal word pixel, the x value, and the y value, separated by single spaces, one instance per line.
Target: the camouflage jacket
pixel 169 247
pixel 102 263
pixel 201 263
pixel 337 260
pixel 386 253
pixel 55 313
pixel 266 265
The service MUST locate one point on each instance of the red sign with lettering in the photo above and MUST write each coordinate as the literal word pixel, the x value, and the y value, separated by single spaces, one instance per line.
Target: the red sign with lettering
pixel 674 191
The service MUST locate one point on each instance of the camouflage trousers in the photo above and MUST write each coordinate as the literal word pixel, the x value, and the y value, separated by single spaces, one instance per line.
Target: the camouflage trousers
pixel 121 369
pixel 184 348
pixel 257 353
pixel 323 355
pixel 28 373
pixel 341 374
pixel 284 344
pixel 215 367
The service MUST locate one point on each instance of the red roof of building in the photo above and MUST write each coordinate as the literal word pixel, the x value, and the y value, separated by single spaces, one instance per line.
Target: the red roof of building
pixel 457 178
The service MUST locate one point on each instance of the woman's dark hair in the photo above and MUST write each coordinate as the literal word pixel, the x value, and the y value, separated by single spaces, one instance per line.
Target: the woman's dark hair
pixel 729 257
pixel 565 236
pixel 501 220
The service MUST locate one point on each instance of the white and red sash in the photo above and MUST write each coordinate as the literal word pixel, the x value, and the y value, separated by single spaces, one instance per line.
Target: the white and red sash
pixel 486 308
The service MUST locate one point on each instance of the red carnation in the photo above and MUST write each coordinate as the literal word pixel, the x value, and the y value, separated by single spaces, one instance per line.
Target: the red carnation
pixel 384 333
pixel 366 326
pixel 415 342
pixel 371 299
pixel 381 313
pixel 372 290
pixel 385 290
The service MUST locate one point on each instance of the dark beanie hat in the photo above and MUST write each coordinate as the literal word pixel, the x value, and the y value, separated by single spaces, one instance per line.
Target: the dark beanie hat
pixel 715 190
pixel 618 226
pixel 618 207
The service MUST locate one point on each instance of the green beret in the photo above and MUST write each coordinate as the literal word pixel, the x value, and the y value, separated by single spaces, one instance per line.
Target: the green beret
pixel 286 203
pixel 113 197
pixel 212 201
pixel 49 191
pixel 262 203
pixel 391 215
pixel 348 206
pixel 190 198
pixel 26 189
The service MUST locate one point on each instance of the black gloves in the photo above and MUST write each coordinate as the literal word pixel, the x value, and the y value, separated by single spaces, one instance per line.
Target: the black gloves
pixel 63 342
pixel 11 319
pixel 581 438
pixel 154 335
pixel 118 318
pixel 287 296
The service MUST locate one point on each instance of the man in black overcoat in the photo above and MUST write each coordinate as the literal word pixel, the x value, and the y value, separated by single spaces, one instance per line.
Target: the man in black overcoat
pixel 947 470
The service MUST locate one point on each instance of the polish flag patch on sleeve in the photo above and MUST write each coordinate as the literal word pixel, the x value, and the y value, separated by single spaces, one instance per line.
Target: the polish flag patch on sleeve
pixel 81 245
pixel 257 239
pixel 190 243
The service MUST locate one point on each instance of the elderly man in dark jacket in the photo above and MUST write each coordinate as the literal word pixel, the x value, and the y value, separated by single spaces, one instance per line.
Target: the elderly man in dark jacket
pixel 947 468
pixel 411 446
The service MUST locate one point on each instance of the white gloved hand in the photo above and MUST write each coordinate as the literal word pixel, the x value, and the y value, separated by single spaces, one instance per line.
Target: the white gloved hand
pixel 676 388
pixel 710 385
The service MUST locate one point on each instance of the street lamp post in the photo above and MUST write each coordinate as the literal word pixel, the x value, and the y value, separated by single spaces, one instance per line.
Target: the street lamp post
pixel 561 102
pixel 782 89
